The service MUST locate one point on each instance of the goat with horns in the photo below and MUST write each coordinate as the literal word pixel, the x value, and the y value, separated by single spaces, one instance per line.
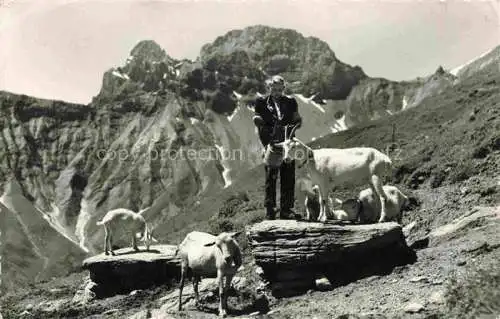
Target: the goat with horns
pixel 330 167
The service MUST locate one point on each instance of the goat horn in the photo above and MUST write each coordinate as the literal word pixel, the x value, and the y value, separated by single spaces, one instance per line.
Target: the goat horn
pixel 293 129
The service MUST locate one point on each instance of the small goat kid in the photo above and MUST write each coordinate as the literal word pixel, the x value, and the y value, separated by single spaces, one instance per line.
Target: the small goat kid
pixel 210 256
pixel 369 207
pixel 349 210
pixel 333 166
pixel 122 219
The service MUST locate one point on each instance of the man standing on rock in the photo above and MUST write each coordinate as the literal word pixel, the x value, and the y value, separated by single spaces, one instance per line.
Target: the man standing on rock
pixel 272 113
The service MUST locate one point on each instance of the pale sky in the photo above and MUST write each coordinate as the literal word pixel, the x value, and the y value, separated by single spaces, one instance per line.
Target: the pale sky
pixel 59 49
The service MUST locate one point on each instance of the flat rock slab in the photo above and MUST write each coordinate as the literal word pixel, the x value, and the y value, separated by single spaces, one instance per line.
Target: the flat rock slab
pixel 293 254
pixel 130 270
pixel 478 216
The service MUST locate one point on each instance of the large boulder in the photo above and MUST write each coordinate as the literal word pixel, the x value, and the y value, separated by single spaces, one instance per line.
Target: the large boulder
pixel 129 270
pixel 293 254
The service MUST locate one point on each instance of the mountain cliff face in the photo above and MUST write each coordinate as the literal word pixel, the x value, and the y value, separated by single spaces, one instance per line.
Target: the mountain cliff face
pixel 488 61
pixel 32 242
pixel 374 98
pixel 163 132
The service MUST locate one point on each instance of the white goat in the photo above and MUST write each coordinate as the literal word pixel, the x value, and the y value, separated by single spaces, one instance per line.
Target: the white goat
pixel 333 166
pixel 122 219
pixel 210 256
pixel 369 209
pixel 312 205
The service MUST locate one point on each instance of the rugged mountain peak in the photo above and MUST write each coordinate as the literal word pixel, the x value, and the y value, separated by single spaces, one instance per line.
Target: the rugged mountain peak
pixel 442 74
pixel 440 70
pixel 238 61
pixel 148 50
pixel 308 63
pixel 263 41
pixel 148 69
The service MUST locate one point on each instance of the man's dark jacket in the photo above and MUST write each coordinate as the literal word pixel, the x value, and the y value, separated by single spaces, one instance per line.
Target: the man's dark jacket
pixel 273 127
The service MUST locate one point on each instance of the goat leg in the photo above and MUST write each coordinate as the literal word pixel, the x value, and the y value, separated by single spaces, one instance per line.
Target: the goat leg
pixel 226 289
pixel 110 238
pixel 322 203
pixel 196 280
pixel 134 242
pixel 181 285
pixel 220 279
pixel 106 235
pixel 379 191
pixel 308 212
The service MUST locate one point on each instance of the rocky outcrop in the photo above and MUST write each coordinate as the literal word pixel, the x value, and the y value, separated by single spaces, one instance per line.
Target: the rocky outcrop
pixel 373 99
pixel 129 270
pixel 479 216
pixel 292 254
pixel 418 90
pixel 475 218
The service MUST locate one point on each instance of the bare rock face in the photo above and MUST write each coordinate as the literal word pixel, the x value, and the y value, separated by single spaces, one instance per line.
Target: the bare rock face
pixel 292 254
pixel 129 270
pixel 32 242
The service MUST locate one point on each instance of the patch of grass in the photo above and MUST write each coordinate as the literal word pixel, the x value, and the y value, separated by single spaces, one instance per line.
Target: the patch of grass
pixel 438 178
pixel 476 293
pixel 233 204
pixel 220 225
pixel 463 171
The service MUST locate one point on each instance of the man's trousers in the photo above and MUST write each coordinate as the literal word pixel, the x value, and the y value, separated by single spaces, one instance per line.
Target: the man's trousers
pixel 287 185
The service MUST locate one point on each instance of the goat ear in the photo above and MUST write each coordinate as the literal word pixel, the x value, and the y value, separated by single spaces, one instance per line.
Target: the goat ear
pixel 210 244
pixel 235 234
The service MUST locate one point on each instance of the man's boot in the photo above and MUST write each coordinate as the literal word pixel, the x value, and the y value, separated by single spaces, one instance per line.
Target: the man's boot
pixel 270 213
pixel 288 213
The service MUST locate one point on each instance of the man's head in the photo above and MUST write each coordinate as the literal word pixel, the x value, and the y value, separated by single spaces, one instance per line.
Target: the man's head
pixel 276 85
